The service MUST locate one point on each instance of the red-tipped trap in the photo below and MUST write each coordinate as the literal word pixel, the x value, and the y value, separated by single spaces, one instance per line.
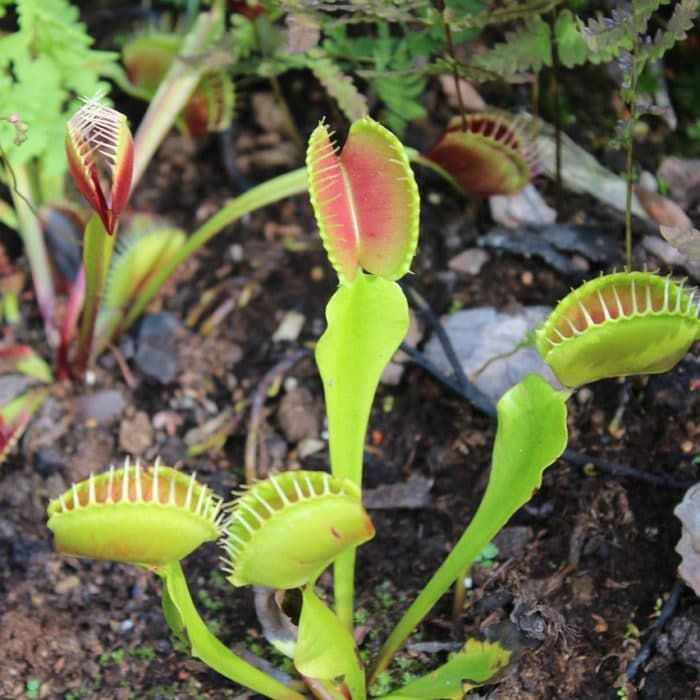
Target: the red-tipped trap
pixel 365 199
pixel 100 154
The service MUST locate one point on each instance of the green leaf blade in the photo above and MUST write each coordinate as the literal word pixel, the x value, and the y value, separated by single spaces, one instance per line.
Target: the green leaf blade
pixel 367 321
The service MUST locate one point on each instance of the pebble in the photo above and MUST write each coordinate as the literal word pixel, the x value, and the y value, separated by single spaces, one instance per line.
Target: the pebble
pixel 469 261
pixel 156 356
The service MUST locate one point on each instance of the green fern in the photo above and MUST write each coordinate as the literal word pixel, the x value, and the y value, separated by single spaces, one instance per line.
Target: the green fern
pixel 44 67
pixel 528 48
pixel 676 30
pixel 338 85
pixel 510 11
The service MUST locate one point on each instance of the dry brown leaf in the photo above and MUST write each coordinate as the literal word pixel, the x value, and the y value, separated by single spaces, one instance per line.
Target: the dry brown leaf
pixel 682 176
pixel 471 99
pixel 662 209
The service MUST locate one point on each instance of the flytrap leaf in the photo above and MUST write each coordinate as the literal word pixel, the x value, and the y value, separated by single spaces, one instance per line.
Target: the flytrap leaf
pixel 15 416
pixel 367 321
pixel 365 200
pixel 325 650
pixel 486 154
pixel 23 359
pixel 478 662
pixel 138 257
pixel 141 515
pixel 618 325
pixel 531 435
pixel 284 531
pixel 100 153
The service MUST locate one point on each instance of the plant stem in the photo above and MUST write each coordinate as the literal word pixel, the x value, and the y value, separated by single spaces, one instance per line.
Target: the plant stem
pixel 206 647
pixel 630 143
pixel 440 4
pixel 98 246
pixel 35 248
pixel 487 521
pixel 344 587
pixel 174 91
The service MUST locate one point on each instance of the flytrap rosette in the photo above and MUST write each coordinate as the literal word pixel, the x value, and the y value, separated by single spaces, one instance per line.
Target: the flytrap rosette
pixel 487 154
pixel 149 515
pixel 618 325
pixel 100 154
pixel 284 531
pixel 365 200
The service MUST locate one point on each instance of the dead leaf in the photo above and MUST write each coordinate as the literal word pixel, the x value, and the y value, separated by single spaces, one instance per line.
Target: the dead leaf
pixel 471 99
pixel 412 493
pixel 662 209
pixel 686 239
pixel 682 176
pixel 526 207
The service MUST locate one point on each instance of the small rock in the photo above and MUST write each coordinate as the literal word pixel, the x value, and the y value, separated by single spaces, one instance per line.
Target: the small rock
pixel 100 407
pixel 309 446
pixel 48 460
pixel 469 261
pixel 290 327
pixel 485 341
pixel 682 175
pixel 135 434
pixel 156 355
pixel 513 541
pixel 66 585
pixel 526 207
pixel 299 415
pixel 412 493
pixel 55 486
pixel 682 641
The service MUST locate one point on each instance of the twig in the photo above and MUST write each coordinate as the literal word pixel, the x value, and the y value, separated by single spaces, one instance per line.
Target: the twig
pixel 227 148
pixel 429 315
pixel 623 470
pixel 257 406
pixel 471 394
pixel 666 614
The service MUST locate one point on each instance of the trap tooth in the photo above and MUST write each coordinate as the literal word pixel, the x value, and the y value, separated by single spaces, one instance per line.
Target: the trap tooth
pixel 142 515
pixel 618 325
pixel 283 531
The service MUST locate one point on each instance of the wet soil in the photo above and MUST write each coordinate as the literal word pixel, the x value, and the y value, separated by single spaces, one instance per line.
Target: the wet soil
pixel 582 570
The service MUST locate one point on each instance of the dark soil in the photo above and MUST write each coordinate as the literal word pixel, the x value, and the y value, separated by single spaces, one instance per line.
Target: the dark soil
pixel 583 569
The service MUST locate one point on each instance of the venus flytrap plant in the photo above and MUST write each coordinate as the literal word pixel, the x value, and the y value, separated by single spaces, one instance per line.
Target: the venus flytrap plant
pixel 367 208
pixel 284 531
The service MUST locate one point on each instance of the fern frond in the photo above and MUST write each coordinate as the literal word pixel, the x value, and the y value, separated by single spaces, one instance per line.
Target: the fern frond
pixel 512 10
pixel 527 48
pixel 337 84
pixel 607 36
pixel 676 30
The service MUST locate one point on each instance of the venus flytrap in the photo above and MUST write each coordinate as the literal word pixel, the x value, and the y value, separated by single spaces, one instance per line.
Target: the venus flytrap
pixel 284 531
